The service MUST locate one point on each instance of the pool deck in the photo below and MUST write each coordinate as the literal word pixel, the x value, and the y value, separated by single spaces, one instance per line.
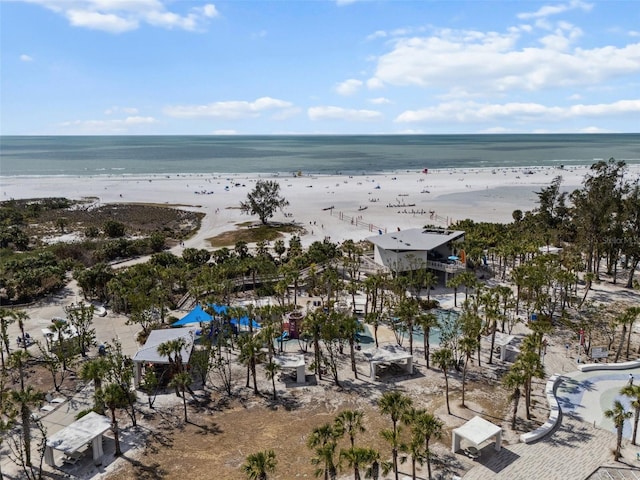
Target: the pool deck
pixel 582 441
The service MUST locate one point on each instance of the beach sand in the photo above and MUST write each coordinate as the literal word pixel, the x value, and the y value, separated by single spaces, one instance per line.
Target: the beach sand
pixel 363 205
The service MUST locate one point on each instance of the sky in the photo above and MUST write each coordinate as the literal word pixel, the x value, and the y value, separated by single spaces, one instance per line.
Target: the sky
pixel 262 67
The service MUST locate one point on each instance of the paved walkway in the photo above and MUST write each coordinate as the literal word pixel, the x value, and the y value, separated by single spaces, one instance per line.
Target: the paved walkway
pixel 573 451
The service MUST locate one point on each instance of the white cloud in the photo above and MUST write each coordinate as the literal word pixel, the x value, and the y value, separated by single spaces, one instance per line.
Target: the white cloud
pixel 118 16
pixel 380 101
pixel 349 87
pixel 474 112
pixel 107 22
pixel 107 126
pixel 231 110
pixel 26 58
pixel 492 63
pixel 549 10
pixel 339 113
pixel 377 34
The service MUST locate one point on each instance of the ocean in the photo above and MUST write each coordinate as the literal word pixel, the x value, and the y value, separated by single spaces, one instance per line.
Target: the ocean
pixel 330 154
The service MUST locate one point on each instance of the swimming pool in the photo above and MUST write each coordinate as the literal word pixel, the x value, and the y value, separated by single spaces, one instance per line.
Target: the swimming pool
pixel 434 332
pixel 586 395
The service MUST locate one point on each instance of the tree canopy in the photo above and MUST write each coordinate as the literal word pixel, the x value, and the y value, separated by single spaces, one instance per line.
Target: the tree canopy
pixel 264 200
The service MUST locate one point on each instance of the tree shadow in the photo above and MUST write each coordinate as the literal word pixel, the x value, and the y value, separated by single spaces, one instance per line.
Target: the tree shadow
pixel 212 429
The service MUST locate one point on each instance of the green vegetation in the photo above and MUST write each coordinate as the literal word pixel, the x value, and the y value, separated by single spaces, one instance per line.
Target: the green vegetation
pixel 264 200
pixel 253 234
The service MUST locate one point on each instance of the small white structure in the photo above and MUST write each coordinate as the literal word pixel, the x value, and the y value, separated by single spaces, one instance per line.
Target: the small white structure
pixel 292 361
pixel 73 439
pixel 477 431
pixel 388 354
pixel 149 351
pixel 502 340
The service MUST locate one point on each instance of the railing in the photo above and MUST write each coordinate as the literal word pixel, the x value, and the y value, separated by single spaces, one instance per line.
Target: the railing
pixel 445 267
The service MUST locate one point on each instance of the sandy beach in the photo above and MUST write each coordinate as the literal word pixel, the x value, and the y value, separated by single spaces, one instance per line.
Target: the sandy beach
pixel 362 205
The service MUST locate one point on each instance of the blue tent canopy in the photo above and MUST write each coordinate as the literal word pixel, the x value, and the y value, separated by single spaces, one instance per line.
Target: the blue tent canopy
pixel 244 322
pixel 196 315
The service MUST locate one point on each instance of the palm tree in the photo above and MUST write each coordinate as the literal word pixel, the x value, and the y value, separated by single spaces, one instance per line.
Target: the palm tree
pixel 443 359
pixel 468 344
pixel 25 398
pixel 250 355
pixel 429 427
pixel 6 318
pixel 415 448
pixel 514 379
pixel 427 321
pixel 407 310
pixel 323 441
pixel 114 398
pixel 172 349
pixel 257 465
pixel 94 370
pixel 393 403
pixel 619 416
pixel 182 381
pixel 349 422
pixel 357 458
pixel 271 370
pixel 633 392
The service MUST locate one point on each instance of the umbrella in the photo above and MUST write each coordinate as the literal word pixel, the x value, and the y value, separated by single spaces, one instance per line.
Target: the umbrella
pixel 453 257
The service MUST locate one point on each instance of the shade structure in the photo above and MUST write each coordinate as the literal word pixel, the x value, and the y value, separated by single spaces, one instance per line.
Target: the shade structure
pixel 197 315
pixel 388 354
pixel 292 362
pixel 75 437
pixel 244 322
pixel 148 354
pixel 477 431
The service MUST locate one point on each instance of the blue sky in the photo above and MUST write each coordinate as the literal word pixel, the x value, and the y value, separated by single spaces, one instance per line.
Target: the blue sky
pixel 137 67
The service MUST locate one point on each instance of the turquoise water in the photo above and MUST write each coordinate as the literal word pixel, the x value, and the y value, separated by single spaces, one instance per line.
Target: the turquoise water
pixel 118 155
pixel 434 332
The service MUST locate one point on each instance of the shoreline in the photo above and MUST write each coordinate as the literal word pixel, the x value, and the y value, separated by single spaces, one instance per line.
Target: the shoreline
pixel 313 174
pixel 362 204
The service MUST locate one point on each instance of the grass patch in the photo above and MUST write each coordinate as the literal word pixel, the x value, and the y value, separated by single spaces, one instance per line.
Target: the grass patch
pixel 253 234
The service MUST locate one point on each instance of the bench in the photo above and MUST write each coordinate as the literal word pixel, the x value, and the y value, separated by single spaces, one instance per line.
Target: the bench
pixel 554 412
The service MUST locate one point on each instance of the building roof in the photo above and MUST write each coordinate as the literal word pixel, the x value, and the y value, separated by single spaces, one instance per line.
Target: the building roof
pixel 415 239
pixel 289 361
pixel 477 430
pixel 76 436
pixel 149 351
pixel 388 353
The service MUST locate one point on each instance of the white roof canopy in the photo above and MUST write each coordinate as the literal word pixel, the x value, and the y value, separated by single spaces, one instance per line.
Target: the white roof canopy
pixel 477 430
pixel 388 353
pixel 415 239
pixel 149 351
pixel 503 339
pixel 289 361
pixel 76 436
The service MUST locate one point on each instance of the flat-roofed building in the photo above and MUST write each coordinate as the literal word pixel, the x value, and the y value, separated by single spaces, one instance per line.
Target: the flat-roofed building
pixel 412 249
